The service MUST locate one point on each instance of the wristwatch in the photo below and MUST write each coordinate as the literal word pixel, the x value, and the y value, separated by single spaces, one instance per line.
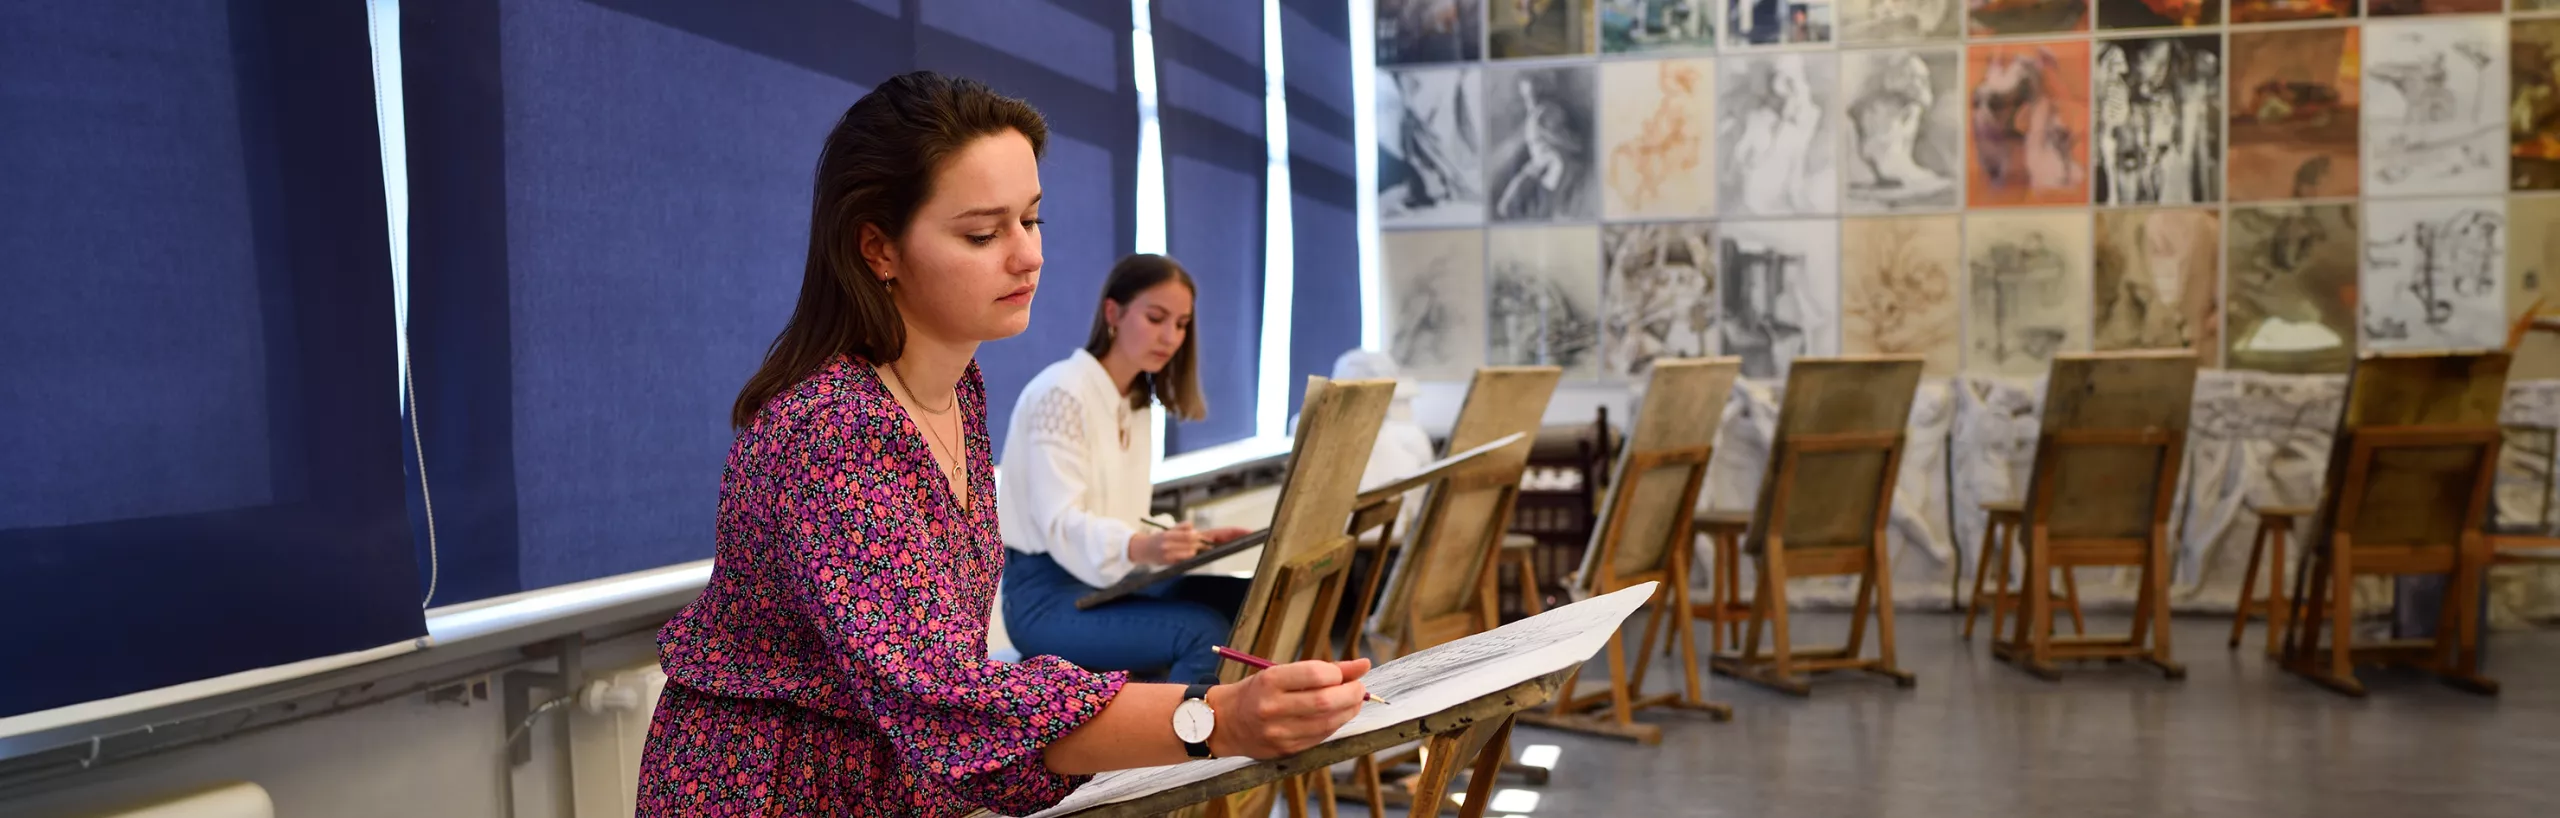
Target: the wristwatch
pixel 1193 721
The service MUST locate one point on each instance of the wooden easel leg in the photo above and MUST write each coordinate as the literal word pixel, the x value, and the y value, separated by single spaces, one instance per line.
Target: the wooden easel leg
pixel 2035 619
pixel 1325 796
pixel 2071 597
pixel 1729 587
pixel 1439 764
pixel 1488 765
pixel 1685 629
pixel 1294 791
pixel 2458 628
pixel 1887 665
pixel 2248 586
pixel 1366 769
pixel 2155 585
pixel 1621 693
pixel 1860 605
pixel 1982 571
pixel 2000 599
pixel 2281 609
pixel 1662 601
pixel 2340 675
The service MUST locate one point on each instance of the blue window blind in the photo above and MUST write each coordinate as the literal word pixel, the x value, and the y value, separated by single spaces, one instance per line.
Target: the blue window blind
pixel 609 216
pixel 1315 39
pixel 1209 81
pixel 200 462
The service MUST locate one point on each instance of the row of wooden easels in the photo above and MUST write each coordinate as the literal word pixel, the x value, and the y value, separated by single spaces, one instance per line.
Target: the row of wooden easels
pixel 2406 492
pixel 2408 486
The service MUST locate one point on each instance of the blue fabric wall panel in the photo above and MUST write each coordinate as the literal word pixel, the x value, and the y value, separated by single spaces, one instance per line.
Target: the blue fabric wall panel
pixel 651 264
pixel 141 175
pixel 291 552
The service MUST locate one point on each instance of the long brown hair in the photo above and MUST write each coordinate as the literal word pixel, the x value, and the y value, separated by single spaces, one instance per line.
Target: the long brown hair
pixel 876 169
pixel 1178 386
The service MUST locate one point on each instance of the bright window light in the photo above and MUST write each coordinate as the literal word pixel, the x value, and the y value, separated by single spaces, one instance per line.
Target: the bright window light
pixel 1542 756
pixel 1514 801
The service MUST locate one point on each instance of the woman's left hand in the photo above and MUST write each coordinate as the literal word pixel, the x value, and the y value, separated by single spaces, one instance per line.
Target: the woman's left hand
pixel 1218 535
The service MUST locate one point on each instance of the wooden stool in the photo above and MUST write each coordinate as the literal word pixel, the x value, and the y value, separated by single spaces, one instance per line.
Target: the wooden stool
pixel 1520 552
pixel 1725 609
pixel 2000 531
pixel 2275 525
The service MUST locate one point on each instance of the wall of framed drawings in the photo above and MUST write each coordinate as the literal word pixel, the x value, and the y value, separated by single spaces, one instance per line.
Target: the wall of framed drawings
pixel 2276 183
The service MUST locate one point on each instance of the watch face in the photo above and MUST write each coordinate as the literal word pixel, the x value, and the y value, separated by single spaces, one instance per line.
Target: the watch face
pixel 1193 721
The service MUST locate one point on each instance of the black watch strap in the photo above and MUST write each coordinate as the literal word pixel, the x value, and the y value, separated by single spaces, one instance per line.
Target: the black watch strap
pixel 1196 749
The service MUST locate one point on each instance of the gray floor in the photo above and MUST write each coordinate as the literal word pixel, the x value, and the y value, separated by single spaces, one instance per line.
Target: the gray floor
pixel 1977 738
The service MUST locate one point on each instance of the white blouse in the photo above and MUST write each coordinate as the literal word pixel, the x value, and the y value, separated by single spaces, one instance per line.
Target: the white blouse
pixel 1074 472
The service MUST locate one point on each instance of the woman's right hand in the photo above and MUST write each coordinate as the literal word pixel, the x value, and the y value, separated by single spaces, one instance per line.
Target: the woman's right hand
pixel 1165 547
pixel 1286 709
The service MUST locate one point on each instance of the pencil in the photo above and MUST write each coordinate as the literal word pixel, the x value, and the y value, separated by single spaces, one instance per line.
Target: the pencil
pixel 1259 663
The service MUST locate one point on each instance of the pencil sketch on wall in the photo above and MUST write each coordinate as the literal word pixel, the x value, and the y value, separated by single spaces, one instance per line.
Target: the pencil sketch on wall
pixel 1628 26
pixel 2434 274
pixel 1430 169
pixel 1775 136
pixel 1656 119
pixel 2158 104
pixel 1779 288
pixel 2026 275
pixel 1541 120
pixel 1906 129
pixel 1899 21
pixel 1417 31
pixel 2157 280
pixel 1543 298
pixel 1658 300
pixel 1898 288
pixel 2290 288
pixel 1434 301
pixel 2436 107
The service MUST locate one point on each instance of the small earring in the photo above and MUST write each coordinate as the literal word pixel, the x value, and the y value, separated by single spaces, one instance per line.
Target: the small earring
pixel 1111 332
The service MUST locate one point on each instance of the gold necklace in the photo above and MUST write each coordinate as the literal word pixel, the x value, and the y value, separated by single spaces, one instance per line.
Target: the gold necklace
pixel 949 472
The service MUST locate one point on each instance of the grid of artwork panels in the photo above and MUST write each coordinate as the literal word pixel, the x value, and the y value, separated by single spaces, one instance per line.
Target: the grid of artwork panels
pixel 2275 183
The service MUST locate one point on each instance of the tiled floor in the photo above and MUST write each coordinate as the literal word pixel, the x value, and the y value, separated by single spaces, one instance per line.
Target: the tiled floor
pixel 1977 738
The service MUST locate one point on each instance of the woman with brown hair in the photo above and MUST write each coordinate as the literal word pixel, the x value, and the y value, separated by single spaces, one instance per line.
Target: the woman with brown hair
pixel 1076 486
pixel 837 662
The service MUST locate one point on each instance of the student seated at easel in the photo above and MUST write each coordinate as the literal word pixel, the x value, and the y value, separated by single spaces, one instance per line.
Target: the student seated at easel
pixel 836 664
pixel 1077 489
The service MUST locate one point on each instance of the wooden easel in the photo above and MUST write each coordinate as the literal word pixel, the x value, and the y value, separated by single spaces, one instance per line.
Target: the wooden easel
pixel 1442 587
pixel 2105 477
pixel 1473 736
pixel 1288 610
pixel 1824 509
pixel 1644 536
pixel 2407 493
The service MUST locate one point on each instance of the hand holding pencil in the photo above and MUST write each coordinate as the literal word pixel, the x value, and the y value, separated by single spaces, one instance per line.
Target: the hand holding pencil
pixel 1259 663
pixel 1285 709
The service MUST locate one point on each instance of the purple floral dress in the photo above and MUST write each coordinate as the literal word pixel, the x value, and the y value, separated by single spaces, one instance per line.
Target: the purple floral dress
pixel 837 662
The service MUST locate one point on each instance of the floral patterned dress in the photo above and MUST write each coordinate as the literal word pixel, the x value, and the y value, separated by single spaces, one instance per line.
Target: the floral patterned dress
pixel 837 662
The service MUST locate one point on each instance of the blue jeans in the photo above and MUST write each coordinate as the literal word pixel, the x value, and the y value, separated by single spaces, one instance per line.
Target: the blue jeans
pixel 1165 629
